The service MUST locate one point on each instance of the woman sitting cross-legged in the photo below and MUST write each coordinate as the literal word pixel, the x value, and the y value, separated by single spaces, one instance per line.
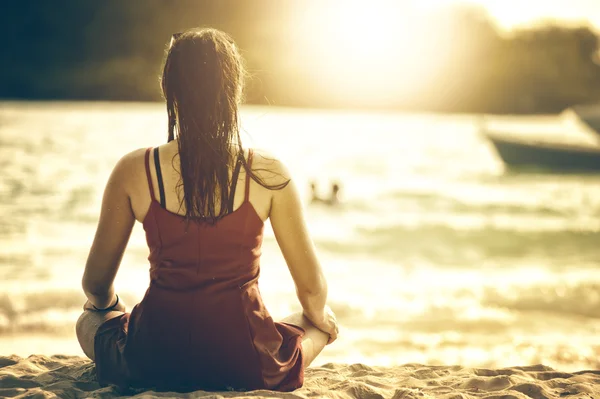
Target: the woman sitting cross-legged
pixel 202 199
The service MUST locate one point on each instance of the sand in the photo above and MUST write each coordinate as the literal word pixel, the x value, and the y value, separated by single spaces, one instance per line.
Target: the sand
pixel 74 377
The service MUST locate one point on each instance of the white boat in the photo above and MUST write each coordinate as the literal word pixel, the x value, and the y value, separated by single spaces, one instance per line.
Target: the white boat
pixel 531 155
pixel 586 117
pixel 520 153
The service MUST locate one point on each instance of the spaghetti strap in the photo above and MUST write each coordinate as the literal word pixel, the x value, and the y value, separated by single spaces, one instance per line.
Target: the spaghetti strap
pixel 234 178
pixel 248 168
pixel 150 186
pixel 161 187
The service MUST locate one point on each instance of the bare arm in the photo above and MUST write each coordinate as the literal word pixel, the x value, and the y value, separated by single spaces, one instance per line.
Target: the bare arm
pixel 291 232
pixel 112 235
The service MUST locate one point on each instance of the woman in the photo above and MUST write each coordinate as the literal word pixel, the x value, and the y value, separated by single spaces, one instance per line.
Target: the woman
pixel 202 199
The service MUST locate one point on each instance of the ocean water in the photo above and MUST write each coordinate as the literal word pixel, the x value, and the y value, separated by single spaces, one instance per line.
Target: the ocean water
pixel 435 255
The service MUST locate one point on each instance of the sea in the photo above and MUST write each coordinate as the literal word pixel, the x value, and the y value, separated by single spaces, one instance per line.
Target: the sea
pixel 436 254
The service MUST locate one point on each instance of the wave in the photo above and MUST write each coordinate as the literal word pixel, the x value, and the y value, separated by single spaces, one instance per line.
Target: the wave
pixel 436 202
pixel 48 311
pixel 493 311
pixel 581 299
pixel 502 198
pixel 479 309
pixel 469 248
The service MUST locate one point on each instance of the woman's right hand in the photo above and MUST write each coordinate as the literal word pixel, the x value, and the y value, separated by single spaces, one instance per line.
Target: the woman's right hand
pixel 326 322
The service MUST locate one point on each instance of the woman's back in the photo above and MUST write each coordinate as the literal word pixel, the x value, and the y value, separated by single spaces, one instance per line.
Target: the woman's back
pixel 202 322
pixel 194 253
pixel 259 196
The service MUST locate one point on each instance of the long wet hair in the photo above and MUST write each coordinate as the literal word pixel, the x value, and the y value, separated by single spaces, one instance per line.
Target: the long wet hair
pixel 202 83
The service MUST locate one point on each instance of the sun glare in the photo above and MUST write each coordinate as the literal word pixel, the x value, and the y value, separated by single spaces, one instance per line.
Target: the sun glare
pixel 383 52
pixel 361 48
pixel 510 14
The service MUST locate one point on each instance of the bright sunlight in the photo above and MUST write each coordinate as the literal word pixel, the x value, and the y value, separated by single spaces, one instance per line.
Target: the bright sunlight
pixel 362 48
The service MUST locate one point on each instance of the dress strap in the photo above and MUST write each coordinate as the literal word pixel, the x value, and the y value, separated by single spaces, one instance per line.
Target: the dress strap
pixel 147 161
pixel 248 178
pixel 234 178
pixel 161 187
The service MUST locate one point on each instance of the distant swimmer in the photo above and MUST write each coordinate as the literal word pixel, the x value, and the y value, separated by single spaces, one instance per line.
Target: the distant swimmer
pixel 333 199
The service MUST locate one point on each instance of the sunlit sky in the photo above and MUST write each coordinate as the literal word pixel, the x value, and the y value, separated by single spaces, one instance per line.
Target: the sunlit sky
pixel 511 13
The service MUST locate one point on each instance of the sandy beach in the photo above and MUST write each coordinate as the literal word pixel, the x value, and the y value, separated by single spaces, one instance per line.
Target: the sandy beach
pixel 74 377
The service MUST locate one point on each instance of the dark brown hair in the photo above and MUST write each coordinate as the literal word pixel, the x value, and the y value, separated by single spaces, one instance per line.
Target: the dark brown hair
pixel 202 83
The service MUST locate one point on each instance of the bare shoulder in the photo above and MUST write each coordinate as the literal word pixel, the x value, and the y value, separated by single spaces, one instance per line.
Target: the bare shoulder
pixel 133 158
pixel 129 166
pixel 269 167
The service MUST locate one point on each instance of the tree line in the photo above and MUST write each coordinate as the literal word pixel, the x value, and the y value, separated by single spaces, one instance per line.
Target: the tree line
pixel 112 50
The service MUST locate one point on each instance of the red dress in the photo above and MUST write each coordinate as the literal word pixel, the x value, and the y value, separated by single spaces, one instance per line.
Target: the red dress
pixel 202 323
